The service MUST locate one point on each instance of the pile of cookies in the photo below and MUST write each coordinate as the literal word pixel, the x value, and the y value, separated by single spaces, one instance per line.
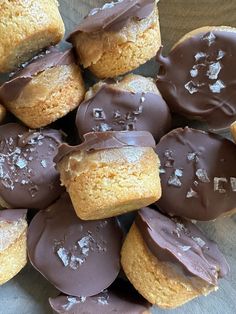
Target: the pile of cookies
pixel 78 159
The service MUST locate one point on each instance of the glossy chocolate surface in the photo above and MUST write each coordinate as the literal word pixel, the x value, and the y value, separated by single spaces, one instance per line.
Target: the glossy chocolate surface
pixel 197 78
pixel 198 174
pixel 28 178
pixel 96 141
pixel 177 240
pixel 114 109
pixel 114 16
pixel 12 89
pixel 80 258
pixel 121 298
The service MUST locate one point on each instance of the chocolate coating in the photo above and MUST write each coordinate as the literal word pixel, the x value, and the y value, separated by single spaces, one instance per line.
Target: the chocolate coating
pixel 12 89
pixel 119 298
pixel 176 240
pixel 96 141
pixel 80 258
pixel 113 109
pixel 197 78
pixel 12 215
pixel 114 16
pixel 28 178
pixel 198 174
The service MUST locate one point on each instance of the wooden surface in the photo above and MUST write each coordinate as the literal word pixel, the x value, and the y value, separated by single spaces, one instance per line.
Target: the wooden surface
pixel 28 293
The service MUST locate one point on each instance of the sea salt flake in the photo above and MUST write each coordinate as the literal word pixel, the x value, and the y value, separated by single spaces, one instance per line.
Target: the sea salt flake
pixel 130 126
pixel 99 114
pixel 64 256
pixel 219 184
pixel 199 241
pixel 185 248
pixel 191 87
pixel 138 111
pixel 210 37
pixel 220 55
pixel 178 172
pixel 21 162
pixel 72 301
pixel 214 70
pixel 191 193
pixel 168 154
pixel 103 127
pixel 191 156
pixel 44 163
pixel 233 184
pixel 142 99
pixel 217 87
pixel 200 55
pixel 162 171
pixel 76 261
pixel 174 181
pixel 102 300
pixel 116 114
pixel 194 71
pixel 202 175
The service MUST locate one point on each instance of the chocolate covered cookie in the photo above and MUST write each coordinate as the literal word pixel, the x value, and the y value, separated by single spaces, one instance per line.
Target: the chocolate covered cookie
pixel 28 178
pixel 169 260
pixel 79 258
pixel 13 257
pixel 198 174
pixel 117 37
pixel 26 27
pixel 197 78
pixel 133 104
pixel 119 298
pixel 44 90
pixel 110 173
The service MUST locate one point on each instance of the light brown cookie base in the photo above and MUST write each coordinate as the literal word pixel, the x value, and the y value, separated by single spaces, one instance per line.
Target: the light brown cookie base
pixel 160 283
pixel 2 113
pixel 49 96
pixel 111 182
pixel 31 26
pixel 110 54
pixel 12 249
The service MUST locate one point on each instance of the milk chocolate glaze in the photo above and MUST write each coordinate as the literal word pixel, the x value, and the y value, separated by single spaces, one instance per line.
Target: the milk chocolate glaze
pixel 96 141
pixel 28 178
pixel 119 298
pixel 114 16
pixel 11 215
pixel 198 174
pixel 113 109
pixel 179 241
pixel 197 78
pixel 11 90
pixel 80 258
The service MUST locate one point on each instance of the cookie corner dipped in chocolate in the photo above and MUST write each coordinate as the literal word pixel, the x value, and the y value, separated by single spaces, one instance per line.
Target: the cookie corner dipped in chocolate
pixel 115 109
pixel 179 241
pixel 114 16
pixel 80 258
pixel 197 77
pixel 198 174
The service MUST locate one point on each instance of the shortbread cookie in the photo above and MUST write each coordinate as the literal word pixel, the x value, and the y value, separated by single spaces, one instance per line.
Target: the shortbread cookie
pixel 198 174
pixel 169 260
pixel 233 130
pixel 118 37
pixel 79 258
pixel 2 114
pixel 133 104
pixel 197 77
pixel 110 173
pixel 45 90
pixel 26 27
pixel 13 258
pixel 28 178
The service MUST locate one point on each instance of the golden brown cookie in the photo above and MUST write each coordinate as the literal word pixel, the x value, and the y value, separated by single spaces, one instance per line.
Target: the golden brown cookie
pixel 110 173
pixel 2 113
pixel 112 47
pixel 13 227
pixel 45 90
pixel 170 261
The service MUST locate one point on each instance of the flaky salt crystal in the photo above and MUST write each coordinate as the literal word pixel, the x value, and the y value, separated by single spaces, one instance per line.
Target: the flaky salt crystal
pixel 233 184
pixel 191 87
pixel 191 193
pixel 217 87
pixel 219 184
pixel 214 70
pixel 202 175
pixel 64 256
